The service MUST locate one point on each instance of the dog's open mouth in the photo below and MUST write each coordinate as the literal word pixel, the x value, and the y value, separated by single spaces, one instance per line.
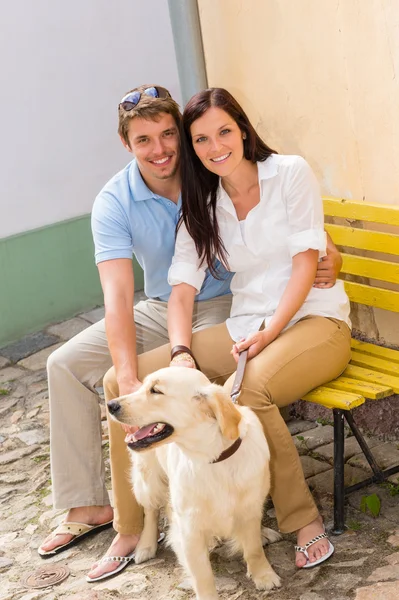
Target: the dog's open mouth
pixel 147 435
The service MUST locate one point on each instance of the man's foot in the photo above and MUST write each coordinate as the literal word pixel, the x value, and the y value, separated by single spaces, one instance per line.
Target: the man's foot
pixel 121 546
pixel 91 515
pixel 316 550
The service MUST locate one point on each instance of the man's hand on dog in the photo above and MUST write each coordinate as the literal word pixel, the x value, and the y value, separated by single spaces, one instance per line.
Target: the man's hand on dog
pixel 189 362
pixel 328 270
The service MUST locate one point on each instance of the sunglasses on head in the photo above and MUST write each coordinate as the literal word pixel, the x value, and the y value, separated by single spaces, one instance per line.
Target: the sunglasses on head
pixel 131 100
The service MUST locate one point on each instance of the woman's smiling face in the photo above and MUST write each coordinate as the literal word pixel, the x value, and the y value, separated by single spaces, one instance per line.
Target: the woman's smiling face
pixel 217 141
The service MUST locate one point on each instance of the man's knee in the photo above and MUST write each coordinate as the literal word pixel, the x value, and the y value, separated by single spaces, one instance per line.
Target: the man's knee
pixel 62 358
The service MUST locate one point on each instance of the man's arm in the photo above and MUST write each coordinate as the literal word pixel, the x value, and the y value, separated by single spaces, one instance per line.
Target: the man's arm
pixel 118 286
pixel 329 267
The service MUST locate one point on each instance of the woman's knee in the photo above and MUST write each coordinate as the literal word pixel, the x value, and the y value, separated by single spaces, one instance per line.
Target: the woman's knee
pixel 255 398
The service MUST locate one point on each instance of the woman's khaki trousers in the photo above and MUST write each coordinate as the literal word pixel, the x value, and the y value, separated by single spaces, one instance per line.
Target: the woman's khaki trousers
pixel 310 353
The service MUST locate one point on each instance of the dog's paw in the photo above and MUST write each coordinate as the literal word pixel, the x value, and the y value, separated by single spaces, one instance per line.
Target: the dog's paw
pixel 267 580
pixel 144 553
pixel 269 536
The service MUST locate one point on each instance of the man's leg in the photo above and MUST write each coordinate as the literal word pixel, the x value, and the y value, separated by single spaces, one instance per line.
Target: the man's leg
pixel 77 467
pixel 150 316
pixel 151 331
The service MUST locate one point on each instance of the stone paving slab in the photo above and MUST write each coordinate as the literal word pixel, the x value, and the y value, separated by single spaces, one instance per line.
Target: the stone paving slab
pixel 298 426
pixel 10 374
pixel 95 315
pixel 324 482
pixel 380 591
pixel 68 329
pixel 389 499
pixel 313 438
pixel 4 362
pixel 386 455
pixel 39 360
pixel 312 467
pixel 30 344
pixel 351 448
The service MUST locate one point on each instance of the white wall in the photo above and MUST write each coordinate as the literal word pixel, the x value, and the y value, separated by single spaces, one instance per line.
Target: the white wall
pixel 64 67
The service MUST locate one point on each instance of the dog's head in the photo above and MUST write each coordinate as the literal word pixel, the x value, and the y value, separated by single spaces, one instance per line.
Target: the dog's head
pixel 170 403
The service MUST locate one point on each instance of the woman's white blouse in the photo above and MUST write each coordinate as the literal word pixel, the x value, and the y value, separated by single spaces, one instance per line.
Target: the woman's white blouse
pixel 288 220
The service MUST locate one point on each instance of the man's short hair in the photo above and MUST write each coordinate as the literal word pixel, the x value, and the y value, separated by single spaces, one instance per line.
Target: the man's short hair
pixel 147 108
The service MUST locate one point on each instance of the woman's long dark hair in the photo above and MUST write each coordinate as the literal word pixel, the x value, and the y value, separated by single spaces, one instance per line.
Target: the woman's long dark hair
pixel 199 186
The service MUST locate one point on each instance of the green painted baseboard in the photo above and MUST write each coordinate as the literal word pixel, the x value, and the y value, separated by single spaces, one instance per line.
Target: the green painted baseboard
pixel 47 275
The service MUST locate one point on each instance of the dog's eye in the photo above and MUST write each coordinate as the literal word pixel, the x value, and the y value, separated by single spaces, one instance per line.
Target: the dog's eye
pixel 154 390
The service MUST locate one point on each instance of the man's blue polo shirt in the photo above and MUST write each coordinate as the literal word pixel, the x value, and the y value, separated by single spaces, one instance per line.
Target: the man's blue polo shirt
pixel 128 218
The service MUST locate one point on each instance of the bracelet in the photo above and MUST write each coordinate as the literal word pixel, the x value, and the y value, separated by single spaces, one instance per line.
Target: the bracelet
pixel 177 350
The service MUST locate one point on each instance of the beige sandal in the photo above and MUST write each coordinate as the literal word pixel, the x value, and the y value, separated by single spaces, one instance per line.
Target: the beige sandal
pixel 78 530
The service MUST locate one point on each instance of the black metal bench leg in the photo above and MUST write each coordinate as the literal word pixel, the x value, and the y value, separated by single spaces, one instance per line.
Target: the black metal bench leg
pixel 339 480
pixel 379 476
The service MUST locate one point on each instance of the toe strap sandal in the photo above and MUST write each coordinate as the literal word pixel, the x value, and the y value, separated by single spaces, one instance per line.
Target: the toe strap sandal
pixel 123 563
pixel 78 530
pixel 304 549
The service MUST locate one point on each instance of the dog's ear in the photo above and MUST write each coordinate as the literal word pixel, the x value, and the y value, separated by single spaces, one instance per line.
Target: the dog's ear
pixel 224 411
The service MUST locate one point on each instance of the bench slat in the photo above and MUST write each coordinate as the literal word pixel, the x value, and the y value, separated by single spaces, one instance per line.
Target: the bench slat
pixel 364 239
pixel 362 266
pixel 371 296
pixel 360 211
pixel 373 350
pixel 369 375
pixel 372 391
pixel 373 362
pixel 334 398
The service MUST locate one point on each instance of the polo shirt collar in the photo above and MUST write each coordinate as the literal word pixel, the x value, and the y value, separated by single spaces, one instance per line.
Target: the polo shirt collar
pixel 140 191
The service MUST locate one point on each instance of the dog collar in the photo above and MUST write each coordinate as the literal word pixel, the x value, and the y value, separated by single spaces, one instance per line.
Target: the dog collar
pixel 228 452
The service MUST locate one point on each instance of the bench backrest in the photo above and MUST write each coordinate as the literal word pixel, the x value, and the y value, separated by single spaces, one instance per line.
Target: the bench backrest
pixel 350 237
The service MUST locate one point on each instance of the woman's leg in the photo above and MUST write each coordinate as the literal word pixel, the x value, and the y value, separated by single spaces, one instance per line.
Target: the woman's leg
pixel 312 352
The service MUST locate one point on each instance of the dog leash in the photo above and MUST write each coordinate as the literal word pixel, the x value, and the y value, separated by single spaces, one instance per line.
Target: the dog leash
pixel 236 389
pixel 234 395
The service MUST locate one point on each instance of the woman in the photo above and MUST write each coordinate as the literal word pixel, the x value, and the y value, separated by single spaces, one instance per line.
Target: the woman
pixel 260 214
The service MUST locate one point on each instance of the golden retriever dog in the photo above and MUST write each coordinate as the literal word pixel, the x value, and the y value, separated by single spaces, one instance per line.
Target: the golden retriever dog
pixel 185 425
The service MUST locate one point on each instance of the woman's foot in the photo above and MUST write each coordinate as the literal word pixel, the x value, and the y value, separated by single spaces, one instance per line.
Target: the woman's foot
pixel 121 546
pixel 316 550
pixel 91 515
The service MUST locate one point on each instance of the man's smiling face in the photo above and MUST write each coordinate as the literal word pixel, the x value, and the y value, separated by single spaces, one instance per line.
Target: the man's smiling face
pixel 156 146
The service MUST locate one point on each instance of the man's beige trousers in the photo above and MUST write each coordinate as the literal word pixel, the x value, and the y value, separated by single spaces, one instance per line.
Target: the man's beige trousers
pixel 310 353
pixel 77 466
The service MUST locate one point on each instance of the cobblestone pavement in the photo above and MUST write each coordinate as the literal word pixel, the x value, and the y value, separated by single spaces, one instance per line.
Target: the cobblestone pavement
pixel 365 565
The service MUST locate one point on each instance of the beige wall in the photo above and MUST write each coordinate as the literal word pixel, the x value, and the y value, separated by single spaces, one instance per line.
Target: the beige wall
pixel 319 78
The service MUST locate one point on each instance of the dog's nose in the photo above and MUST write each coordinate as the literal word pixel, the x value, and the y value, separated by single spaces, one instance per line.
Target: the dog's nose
pixel 113 407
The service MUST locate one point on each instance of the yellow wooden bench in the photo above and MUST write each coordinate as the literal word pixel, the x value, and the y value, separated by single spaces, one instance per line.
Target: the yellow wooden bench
pixel 373 372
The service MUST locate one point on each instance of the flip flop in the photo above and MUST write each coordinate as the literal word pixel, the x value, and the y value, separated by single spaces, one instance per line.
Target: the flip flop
pixel 78 530
pixel 304 549
pixel 123 560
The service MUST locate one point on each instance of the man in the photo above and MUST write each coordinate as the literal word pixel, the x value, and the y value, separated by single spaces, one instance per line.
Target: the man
pixel 135 213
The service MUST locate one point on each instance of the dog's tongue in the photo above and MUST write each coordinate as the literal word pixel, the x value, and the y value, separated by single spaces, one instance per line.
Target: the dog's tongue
pixel 140 434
